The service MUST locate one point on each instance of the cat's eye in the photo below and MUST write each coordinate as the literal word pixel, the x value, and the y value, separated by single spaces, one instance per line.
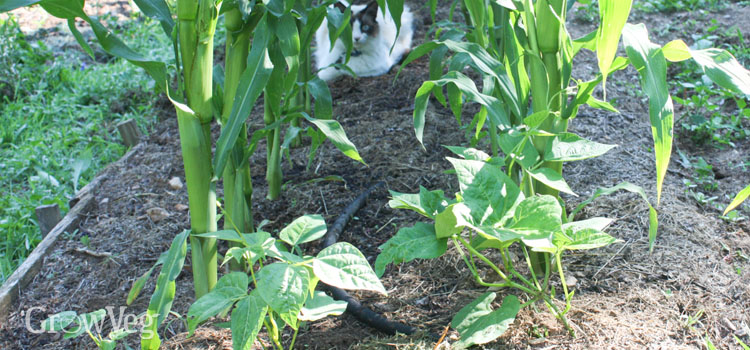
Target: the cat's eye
pixel 365 28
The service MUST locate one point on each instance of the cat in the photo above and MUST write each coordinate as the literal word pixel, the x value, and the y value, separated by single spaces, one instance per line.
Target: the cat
pixel 372 38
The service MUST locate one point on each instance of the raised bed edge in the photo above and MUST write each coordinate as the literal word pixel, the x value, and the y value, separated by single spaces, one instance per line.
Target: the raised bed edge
pixel 80 204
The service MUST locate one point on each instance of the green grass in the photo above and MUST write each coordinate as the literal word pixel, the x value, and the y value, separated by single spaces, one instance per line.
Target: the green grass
pixel 58 112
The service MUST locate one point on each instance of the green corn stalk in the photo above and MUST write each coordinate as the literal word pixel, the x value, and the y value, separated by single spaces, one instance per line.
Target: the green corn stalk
pixel 238 188
pixel 196 27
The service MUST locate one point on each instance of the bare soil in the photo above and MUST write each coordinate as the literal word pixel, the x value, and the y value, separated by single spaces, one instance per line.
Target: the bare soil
pixel 695 283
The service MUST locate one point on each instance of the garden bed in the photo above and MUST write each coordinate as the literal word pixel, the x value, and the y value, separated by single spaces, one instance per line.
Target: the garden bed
pixel 695 284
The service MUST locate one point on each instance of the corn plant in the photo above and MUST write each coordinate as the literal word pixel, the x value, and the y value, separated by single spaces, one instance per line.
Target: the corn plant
pixel 523 54
pixel 276 28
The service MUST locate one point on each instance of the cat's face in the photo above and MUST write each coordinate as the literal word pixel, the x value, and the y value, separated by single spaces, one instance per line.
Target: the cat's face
pixel 364 23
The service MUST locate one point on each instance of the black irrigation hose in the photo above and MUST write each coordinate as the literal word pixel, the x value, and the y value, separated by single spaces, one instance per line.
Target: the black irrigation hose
pixel 354 307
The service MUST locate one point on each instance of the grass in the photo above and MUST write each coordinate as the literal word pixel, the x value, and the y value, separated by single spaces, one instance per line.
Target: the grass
pixel 58 111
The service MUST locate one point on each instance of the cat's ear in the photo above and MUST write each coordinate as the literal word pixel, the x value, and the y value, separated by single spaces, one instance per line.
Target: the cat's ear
pixel 340 5
pixel 371 10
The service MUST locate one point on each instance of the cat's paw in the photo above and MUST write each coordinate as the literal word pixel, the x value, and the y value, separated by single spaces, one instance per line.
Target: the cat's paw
pixel 330 73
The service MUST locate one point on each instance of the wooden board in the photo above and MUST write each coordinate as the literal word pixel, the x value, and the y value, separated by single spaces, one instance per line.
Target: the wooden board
pixel 82 203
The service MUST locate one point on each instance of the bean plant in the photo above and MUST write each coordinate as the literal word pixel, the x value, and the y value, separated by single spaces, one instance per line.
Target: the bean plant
pixel 523 55
pixel 283 281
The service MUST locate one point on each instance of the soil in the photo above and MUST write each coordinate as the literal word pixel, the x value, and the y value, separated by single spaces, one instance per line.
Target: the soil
pixel 695 284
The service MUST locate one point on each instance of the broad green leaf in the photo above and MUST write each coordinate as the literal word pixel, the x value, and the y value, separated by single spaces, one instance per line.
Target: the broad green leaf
pixel 58 321
pixel 446 224
pixel 676 51
pixel 552 179
pixel 567 147
pixel 409 243
pixel 486 191
pixel 9 5
pixel 321 306
pixel 304 229
pixel 537 218
pixel 649 60
pixel 161 300
pixel 284 288
pixel 652 214
pixel 510 143
pixel 334 132
pixel 228 289
pixel 252 83
pixel 247 319
pixel 427 203
pixel 84 323
pixel 342 265
pixel 723 69
pixel 738 199
pixel 613 15
pixel 478 324
pixel 536 119
pixel 209 305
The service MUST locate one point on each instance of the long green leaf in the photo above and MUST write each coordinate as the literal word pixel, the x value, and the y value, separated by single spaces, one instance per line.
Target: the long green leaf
pixel 322 95
pixel 652 214
pixel 10 5
pixel 158 10
pixel 253 81
pixel 614 14
pixel 334 132
pixel 649 60
pixel 738 199
pixel 161 300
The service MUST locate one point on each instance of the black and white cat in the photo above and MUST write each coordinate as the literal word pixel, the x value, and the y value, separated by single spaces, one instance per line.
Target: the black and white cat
pixel 372 38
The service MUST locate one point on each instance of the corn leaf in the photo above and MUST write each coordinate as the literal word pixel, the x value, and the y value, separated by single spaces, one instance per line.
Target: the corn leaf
pixel 652 214
pixel 613 14
pixel 10 5
pixel 334 132
pixel 158 10
pixel 252 82
pixel 649 60
pixel 161 300
pixel 738 199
